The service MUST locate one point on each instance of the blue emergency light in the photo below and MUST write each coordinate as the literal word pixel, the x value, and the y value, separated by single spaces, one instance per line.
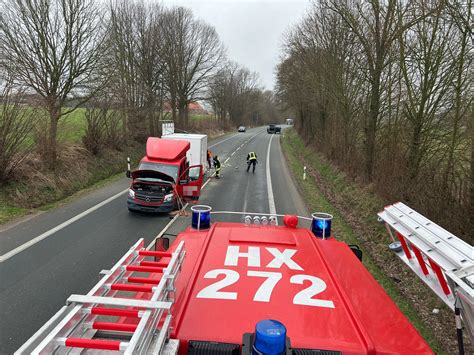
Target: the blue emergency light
pixel 201 217
pixel 321 225
pixel 270 338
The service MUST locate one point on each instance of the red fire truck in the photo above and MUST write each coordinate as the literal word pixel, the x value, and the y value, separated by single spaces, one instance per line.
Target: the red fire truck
pixel 235 288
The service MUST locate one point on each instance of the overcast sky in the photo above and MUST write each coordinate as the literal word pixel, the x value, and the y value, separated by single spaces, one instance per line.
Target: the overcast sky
pixel 252 30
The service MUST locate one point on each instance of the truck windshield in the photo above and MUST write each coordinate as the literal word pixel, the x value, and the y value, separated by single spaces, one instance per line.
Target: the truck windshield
pixel 168 169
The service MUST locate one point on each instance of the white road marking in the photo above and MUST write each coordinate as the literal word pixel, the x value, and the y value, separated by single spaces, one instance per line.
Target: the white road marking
pixel 39 238
pixel 50 232
pixel 271 200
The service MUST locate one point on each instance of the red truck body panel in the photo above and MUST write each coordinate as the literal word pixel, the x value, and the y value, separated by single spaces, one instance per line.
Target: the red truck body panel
pixel 168 150
pixel 317 288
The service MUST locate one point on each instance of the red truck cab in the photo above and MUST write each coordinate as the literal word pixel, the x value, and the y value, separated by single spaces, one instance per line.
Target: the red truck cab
pixel 163 176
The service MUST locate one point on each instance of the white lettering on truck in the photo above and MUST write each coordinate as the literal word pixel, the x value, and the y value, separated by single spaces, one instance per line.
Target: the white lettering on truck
pixel 271 279
pixel 253 257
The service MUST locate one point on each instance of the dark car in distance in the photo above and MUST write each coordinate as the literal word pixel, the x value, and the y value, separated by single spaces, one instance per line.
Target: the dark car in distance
pixel 273 129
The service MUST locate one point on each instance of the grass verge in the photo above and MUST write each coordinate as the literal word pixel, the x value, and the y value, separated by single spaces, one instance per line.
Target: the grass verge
pixel 40 191
pixel 323 181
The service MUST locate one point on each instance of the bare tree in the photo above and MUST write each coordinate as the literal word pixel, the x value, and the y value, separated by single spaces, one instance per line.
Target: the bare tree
pixel 53 47
pixel 234 93
pixel 376 26
pixel 427 71
pixel 15 126
pixel 135 41
pixel 192 52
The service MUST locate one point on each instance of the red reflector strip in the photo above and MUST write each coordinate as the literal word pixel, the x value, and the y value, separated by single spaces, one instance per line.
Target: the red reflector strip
pixel 92 344
pixel 103 311
pixel 143 280
pixel 123 327
pixel 144 268
pixel 161 254
pixel 444 285
pixel 133 288
pixel 154 263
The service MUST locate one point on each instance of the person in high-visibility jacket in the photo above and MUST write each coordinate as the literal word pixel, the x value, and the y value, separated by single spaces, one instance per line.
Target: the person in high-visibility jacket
pixel 251 160
pixel 209 159
pixel 217 166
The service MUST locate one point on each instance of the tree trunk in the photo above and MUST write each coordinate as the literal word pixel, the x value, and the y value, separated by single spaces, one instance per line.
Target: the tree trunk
pixel 181 112
pixel 51 155
pixel 186 115
pixel 414 153
pixel 371 126
pixel 471 191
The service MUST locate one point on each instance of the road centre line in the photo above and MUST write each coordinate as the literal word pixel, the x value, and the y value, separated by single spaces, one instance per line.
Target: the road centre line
pixel 50 232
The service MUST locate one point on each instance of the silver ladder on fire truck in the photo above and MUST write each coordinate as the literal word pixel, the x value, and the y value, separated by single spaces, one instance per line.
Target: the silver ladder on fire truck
pixel 105 319
pixel 443 261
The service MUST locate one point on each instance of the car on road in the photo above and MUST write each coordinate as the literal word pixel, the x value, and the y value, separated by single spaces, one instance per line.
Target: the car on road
pixel 273 129
pixel 242 129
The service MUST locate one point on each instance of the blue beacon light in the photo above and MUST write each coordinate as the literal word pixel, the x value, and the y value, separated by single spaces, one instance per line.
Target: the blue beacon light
pixel 270 338
pixel 321 224
pixel 201 217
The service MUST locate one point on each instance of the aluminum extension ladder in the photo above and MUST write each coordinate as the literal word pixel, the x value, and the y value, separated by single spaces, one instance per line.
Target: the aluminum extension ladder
pixel 443 261
pixel 123 313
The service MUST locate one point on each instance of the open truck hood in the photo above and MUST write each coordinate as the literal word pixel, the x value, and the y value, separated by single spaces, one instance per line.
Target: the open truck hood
pixel 143 174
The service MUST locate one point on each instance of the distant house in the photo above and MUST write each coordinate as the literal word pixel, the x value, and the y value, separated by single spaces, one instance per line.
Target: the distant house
pixel 194 108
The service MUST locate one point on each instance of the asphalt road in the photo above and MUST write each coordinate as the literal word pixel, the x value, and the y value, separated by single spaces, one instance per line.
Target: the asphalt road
pixel 79 239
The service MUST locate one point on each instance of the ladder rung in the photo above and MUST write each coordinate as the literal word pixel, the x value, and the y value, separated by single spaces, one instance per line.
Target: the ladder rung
pixel 133 288
pixel 161 254
pixel 144 268
pixel 123 327
pixel 154 263
pixel 93 343
pixel 121 302
pixel 104 311
pixel 143 280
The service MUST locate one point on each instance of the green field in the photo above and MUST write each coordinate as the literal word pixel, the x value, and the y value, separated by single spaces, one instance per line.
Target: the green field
pixel 72 126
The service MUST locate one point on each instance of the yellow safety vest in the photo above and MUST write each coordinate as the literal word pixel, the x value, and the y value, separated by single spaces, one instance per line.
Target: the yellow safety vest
pixel 252 156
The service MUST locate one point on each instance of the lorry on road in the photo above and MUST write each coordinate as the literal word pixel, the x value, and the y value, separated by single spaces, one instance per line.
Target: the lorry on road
pixel 252 287
pixel 165 176
pixel 273 129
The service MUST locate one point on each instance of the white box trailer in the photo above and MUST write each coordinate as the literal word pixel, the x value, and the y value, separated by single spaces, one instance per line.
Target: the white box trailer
pixel 198 152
